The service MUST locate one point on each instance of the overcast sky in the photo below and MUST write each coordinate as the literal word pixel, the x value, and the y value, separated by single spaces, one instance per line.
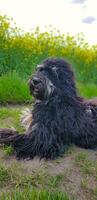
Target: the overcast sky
pixel 72 16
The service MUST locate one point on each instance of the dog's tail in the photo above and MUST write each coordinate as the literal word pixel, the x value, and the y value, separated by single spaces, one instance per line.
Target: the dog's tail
pixel 19 142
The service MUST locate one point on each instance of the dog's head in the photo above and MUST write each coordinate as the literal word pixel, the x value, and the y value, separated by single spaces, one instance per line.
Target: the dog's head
pixel 53 77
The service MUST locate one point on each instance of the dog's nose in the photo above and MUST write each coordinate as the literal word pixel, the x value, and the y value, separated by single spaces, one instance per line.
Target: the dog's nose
pixel 35 81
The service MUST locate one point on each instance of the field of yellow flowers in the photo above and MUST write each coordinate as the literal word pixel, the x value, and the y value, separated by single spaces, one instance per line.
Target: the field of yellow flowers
pixel 20 52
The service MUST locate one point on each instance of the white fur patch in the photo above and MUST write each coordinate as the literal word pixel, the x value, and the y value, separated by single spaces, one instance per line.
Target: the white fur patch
pixel 50 87
pixel 89 110
pixel 26 118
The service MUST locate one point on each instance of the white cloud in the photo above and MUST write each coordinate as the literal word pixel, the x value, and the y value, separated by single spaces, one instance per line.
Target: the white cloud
pixel 89 20
pixel 78 1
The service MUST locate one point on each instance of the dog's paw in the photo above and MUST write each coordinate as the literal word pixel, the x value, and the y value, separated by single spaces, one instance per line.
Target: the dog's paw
pixel 26 118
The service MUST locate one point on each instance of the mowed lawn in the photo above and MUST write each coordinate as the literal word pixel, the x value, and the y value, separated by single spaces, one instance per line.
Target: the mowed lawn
pixel 71 177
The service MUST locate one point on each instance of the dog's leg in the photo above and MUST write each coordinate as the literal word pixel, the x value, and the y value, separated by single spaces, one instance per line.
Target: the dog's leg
pixel 7 135
pixel 20 142
pixel 38 142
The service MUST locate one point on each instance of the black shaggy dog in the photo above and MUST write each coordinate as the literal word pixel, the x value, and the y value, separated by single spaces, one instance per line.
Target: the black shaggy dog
pixel 60 116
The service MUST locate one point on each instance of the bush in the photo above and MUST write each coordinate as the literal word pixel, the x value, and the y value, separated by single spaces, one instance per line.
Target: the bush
pixel 13 89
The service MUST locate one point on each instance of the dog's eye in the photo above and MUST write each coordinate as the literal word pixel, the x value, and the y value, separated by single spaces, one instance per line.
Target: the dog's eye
pixel 41 69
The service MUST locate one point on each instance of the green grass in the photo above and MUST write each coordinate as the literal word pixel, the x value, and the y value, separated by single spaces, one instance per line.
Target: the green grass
pixel 87 90
pixel 8 151
pixel 4 174
pixel 86 165
pixel 32 194
pixel 84 183
pixel 80 157
pixel 10 117
pixel 40 179
pixel 13 89
pixel 55 181
pixel 24 186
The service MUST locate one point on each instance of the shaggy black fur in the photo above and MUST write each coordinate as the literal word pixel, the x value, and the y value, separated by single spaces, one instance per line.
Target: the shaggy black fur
pixel 60 116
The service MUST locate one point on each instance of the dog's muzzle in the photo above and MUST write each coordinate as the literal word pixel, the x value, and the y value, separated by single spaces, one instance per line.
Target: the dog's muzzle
pixel 36 87
pixel 35 81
